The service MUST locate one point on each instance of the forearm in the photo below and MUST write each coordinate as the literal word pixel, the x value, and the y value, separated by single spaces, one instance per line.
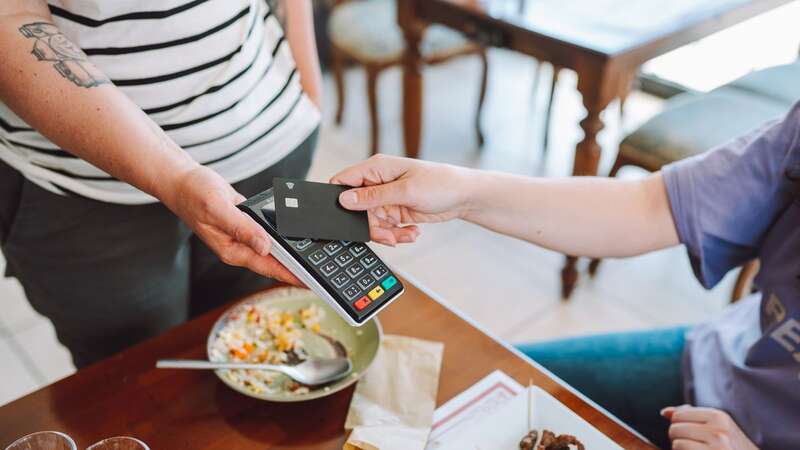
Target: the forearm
pixel 300 35
pixel 583 216
pixel 82 113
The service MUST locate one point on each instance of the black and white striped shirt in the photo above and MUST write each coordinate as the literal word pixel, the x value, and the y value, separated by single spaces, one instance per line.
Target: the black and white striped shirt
pixel 216 75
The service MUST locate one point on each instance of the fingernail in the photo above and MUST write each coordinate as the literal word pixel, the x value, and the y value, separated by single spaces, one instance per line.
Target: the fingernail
pixel 348 198
pixel 405 239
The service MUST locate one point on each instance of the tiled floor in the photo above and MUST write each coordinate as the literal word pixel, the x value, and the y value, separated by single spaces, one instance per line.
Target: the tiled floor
pixel 507 285
pixel 28 348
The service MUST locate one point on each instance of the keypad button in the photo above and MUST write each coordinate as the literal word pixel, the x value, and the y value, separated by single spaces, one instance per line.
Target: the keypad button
pixel 389 282
pixel 358 249
pixel 345 243
pixel 369 261
pixel 352 291
pixel 362 303
pixel 340 280
pixel 366 281
pixel 375 293
pixel 355 270
pixel 332 247
pixel 329 268
pixel 379 272
pixel 302 244
pixel 344 259
pixel 317 257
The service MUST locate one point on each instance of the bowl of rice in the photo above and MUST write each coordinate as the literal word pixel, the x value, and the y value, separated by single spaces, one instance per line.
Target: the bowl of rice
pixel 287 325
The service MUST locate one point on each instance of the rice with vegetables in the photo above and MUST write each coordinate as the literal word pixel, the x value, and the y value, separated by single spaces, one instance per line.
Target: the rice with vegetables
pixel 258 333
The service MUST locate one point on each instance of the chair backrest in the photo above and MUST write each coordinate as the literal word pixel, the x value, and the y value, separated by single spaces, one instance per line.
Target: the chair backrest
pixel 744 283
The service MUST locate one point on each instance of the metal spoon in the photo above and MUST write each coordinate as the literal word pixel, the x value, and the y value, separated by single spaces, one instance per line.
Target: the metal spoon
pixel 311 372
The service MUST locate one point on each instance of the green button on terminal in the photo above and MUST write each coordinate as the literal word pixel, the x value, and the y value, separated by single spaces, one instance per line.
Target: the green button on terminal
pixel 389 282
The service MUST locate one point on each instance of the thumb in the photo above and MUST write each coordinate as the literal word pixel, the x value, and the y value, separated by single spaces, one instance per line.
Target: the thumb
pixel 364 198
pixel 670 410
pixel 241 228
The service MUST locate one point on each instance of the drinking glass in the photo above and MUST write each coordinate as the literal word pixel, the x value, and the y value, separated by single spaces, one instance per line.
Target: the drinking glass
pixel 44 440
pixel 120 443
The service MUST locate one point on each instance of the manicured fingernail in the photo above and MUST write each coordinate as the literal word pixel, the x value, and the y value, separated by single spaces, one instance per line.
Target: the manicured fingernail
pixel 348 198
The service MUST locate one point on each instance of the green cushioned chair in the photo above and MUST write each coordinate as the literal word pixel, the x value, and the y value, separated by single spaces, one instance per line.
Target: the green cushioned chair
pixel 692 124
pixel 366 31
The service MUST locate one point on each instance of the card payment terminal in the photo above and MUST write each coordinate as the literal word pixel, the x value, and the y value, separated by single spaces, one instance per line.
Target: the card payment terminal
pixel 348 275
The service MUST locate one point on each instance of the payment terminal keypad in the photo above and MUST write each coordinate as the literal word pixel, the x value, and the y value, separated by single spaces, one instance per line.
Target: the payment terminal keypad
pixel 352 269
pixel 355 270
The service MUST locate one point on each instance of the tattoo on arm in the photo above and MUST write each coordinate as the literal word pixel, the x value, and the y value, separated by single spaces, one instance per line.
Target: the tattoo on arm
pixel 68 59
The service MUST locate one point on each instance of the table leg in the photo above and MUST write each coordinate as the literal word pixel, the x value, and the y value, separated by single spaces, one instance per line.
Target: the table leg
pixel 598 88
pixel 587 152
pixel 412 76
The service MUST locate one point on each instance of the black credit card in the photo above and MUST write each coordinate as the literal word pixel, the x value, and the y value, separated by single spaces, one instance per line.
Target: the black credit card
pixel 304 209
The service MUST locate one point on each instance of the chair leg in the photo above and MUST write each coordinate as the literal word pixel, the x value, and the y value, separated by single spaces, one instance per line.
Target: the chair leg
pixel 744 283
pixel 372 97
pixel 593 265
pixel 618 164
pixel 549 110
pixel 537 75
pixel 627 86
pixel 622 99
pixel 337 63
pixel 569 277
pixel 481 97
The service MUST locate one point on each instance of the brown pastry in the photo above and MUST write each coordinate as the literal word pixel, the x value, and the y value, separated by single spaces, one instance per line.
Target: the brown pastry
pixel 550 441
pixel 528 440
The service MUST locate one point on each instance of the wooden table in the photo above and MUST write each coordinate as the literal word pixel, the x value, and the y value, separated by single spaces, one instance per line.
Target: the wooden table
pixel 172 409
pixel 604 41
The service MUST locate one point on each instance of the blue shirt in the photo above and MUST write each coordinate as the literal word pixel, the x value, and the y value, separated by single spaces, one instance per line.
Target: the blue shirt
pixel 739 202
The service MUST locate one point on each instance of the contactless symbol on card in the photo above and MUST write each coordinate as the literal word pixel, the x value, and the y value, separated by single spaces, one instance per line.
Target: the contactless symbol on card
pixel 311 210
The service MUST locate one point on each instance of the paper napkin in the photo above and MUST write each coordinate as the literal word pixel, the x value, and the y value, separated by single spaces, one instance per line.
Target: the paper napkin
pixel 392 407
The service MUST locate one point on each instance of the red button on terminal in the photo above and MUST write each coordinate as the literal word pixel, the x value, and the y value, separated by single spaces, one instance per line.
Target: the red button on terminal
pixel 362 303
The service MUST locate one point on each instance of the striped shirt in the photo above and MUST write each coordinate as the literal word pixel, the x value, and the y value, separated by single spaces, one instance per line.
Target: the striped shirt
pixel 217 76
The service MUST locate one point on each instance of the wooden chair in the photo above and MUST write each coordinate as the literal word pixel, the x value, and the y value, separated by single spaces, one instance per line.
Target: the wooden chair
pixel 744 282
pixel 366 32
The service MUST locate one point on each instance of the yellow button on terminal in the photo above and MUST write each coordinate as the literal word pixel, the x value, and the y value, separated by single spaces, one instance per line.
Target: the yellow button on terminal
pixel 375 293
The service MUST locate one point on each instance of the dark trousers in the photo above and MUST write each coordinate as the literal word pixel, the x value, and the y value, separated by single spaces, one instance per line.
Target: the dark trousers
pixel 109 275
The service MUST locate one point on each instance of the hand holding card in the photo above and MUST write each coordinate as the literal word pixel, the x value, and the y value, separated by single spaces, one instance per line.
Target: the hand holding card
pixel 321 248
pixel 400 192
